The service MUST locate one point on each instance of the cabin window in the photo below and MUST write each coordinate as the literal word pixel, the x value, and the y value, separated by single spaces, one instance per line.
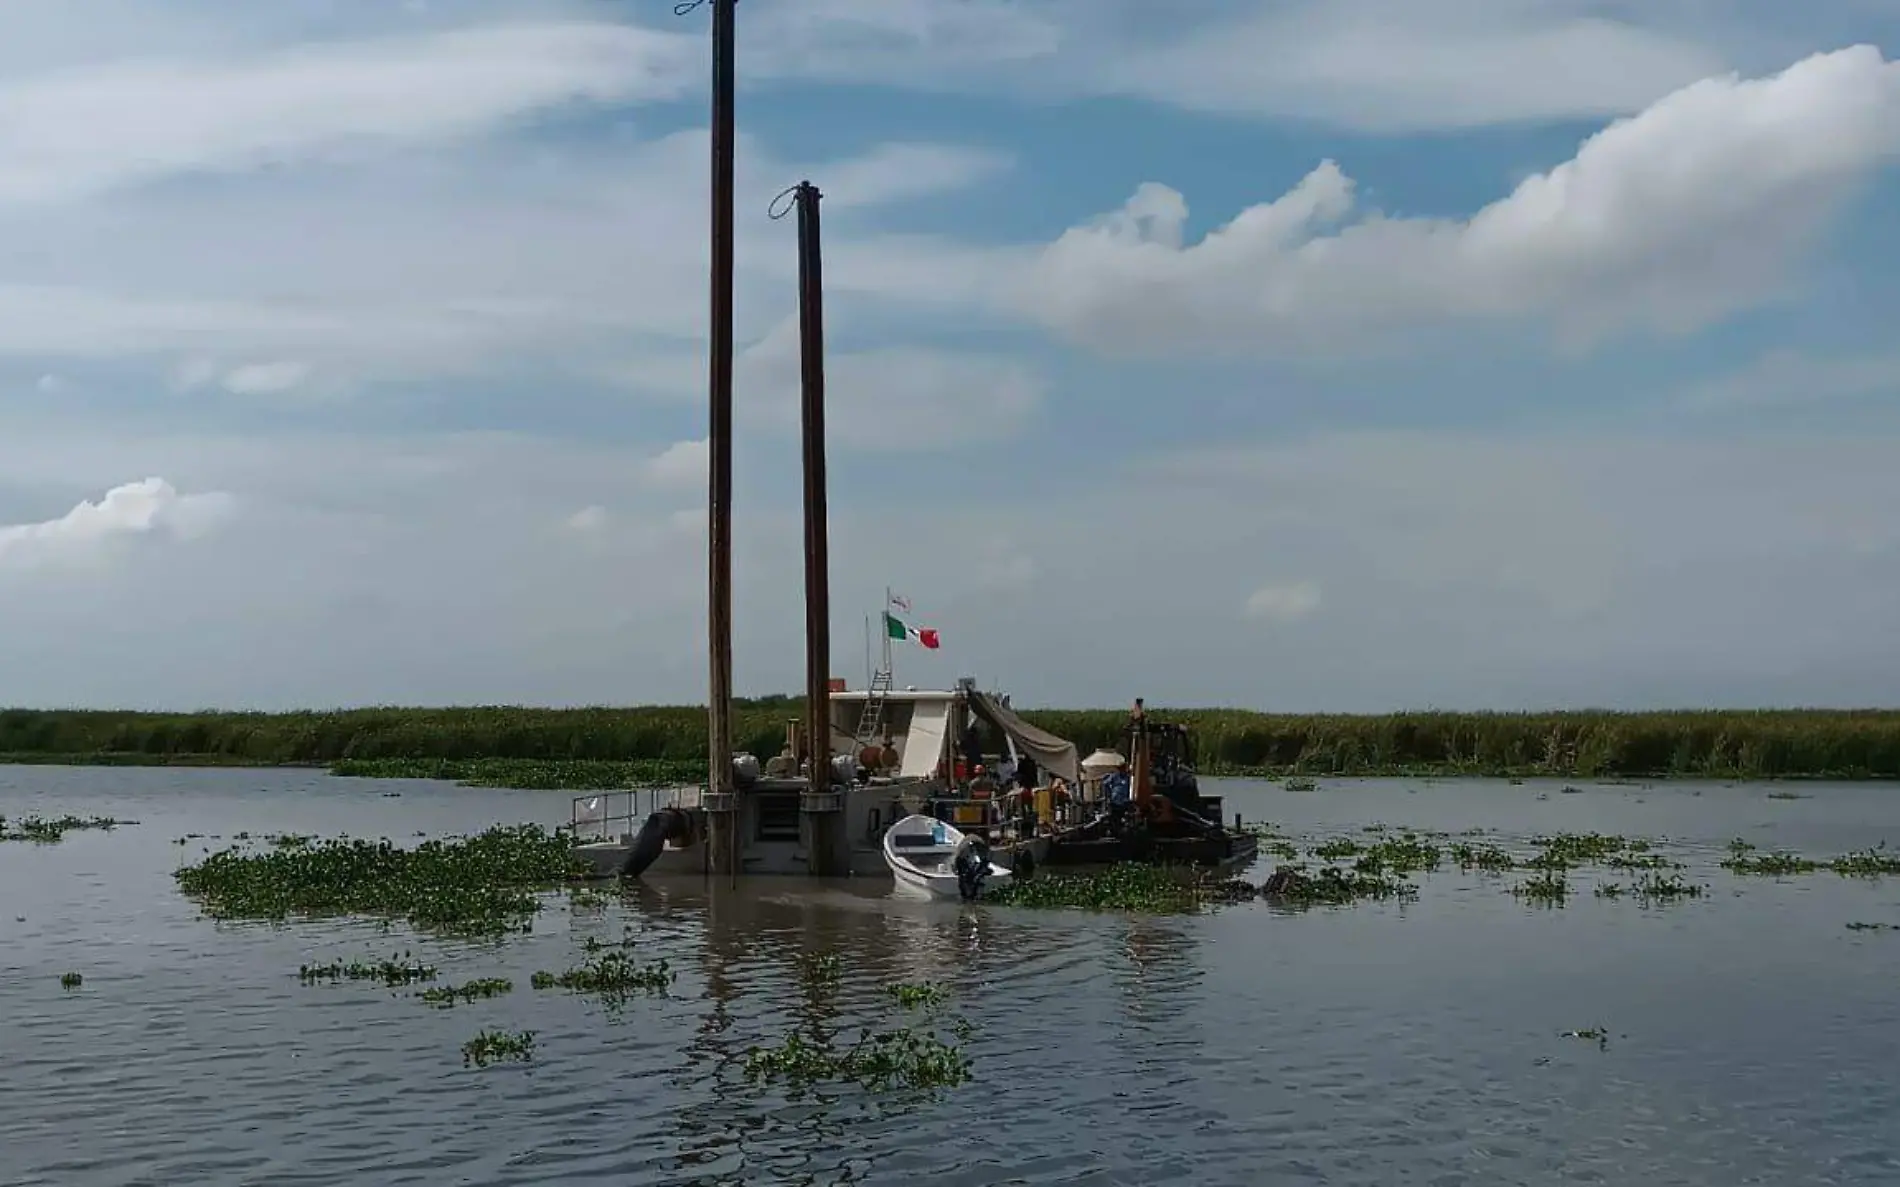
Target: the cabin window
pixel 777 816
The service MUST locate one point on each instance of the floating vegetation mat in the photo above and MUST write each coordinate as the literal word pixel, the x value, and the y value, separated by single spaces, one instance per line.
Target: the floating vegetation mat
pixel 393 972
pixel 494 1046
pixel 51 830
pixel 911 1056
pixel 71 980
pixel 1744 858
pixel 1127 886
pixel 482 885
pixel 612 975
pixel 483 987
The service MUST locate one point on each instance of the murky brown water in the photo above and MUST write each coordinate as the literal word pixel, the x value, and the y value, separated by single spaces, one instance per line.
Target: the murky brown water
pixel 1754 1037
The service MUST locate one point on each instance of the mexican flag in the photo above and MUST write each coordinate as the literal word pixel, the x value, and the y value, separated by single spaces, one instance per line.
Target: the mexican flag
pixel 896 629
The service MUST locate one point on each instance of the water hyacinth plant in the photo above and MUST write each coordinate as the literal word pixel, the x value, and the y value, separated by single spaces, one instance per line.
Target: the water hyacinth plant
pixel 612 975
pixel 482 885
pixel 911 1057
pixel 50 831
pixel 484 987
pixel 493 1046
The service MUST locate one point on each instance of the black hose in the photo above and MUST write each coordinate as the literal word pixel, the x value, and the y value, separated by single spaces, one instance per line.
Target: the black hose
pixel 667 824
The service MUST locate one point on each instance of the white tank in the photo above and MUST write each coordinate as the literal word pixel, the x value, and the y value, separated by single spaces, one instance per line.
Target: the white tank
pixel 844 768
pixel 745 768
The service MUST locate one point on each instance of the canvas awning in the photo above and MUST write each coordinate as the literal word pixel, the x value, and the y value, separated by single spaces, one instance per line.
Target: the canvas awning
pixel 923 741
pixel 1050 753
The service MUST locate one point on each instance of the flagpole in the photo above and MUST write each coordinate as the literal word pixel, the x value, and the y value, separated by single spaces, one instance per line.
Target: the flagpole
pixel 889 670
pixel 868 674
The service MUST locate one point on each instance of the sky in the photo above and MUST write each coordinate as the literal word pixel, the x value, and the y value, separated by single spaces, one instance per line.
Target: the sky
pixel 1353 355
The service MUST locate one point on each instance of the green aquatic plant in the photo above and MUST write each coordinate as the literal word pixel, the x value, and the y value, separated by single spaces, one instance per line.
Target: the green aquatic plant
pixel 286 840
pixel 1873 927
pixel 481 885
pixel 493 1046
pixel 1300 783
pixel 1590 1034
pixel 595 944
pixel 1488 858
pixel 71 980
pixel 917 994
pixel 1641 861
pixel 1332 886
pixel 396 971
pixel 1566 850
pixel 1337 849
pixel 1125 886
pixel 448 995
pixel 611 975
pixel 1404 854
pixel 1867 863
pixel 586 898
pixel 51 830
pixel 1788 795
pixel 1744 858
pixel 1548 887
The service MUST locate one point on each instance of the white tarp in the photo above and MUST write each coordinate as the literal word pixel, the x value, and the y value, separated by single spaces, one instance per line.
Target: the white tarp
pixel 923 742
pixel 1053 755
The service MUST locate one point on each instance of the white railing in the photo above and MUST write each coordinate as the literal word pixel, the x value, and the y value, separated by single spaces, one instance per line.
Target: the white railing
pixel 608 815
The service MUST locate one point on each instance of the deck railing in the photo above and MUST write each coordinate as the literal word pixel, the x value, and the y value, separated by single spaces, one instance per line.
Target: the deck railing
pixel 608 815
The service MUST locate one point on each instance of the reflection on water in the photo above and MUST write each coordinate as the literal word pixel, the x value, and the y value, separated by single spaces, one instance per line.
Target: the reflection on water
pixel 1380 1044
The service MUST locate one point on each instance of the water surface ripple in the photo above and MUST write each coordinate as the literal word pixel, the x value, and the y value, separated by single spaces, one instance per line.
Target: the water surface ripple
pixel 1753 1037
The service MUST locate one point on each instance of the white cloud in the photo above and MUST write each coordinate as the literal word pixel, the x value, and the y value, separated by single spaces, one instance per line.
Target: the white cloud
pixel 1457 570
pixel 680 466
pixel 1287 602
pixel 589 519
pixel 76 132
pixel 133 509
pixel 1690 212
pixel 266 379
pixel 1783 378
pixel 1396 66
pixel 895 399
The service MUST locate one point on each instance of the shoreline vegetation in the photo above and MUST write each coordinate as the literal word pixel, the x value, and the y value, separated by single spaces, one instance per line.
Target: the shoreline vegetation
pixel 611 748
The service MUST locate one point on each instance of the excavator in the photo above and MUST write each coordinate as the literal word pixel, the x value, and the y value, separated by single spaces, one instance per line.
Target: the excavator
pixel 1166 817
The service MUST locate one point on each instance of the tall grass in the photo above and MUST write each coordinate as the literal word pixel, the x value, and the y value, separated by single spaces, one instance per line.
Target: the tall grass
pixel 1708 743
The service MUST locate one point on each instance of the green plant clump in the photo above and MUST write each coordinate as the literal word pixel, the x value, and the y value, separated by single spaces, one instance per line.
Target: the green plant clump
pixel 611 974
pixel 906 1057
pixel 396 971
pixel 485 987
pixel 1547 887
pixel 493 1046
pixel 917 995
pixel 1125 886
pixel 1743 858
pixel 44 831
pixel 71 980
pixel 483 885
pixel 1488 858
pixel 1333 886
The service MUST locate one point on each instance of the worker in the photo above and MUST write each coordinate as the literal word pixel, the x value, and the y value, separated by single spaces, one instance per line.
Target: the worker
pixel 1026 772
pixel 1117 785
pixel 981 785
pixel 888 759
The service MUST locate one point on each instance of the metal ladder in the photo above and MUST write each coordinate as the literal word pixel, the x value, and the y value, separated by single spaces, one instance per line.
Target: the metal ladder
pixel 873 716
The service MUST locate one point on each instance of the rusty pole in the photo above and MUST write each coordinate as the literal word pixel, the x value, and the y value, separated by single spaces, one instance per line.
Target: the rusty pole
pixel 722 819
pixel 829 854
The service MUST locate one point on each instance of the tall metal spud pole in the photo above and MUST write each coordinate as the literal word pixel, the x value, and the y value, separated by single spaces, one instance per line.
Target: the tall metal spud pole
pixel 722 841
pixel 826 842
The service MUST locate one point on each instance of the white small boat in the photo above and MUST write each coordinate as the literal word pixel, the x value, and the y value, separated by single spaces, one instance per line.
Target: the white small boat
pixel 922 853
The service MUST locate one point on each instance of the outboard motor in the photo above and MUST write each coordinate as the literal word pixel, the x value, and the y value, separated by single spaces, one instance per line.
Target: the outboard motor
pixel 972 866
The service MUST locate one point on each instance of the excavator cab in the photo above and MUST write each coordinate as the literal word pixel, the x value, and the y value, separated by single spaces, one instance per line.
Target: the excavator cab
pixel 1165 792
